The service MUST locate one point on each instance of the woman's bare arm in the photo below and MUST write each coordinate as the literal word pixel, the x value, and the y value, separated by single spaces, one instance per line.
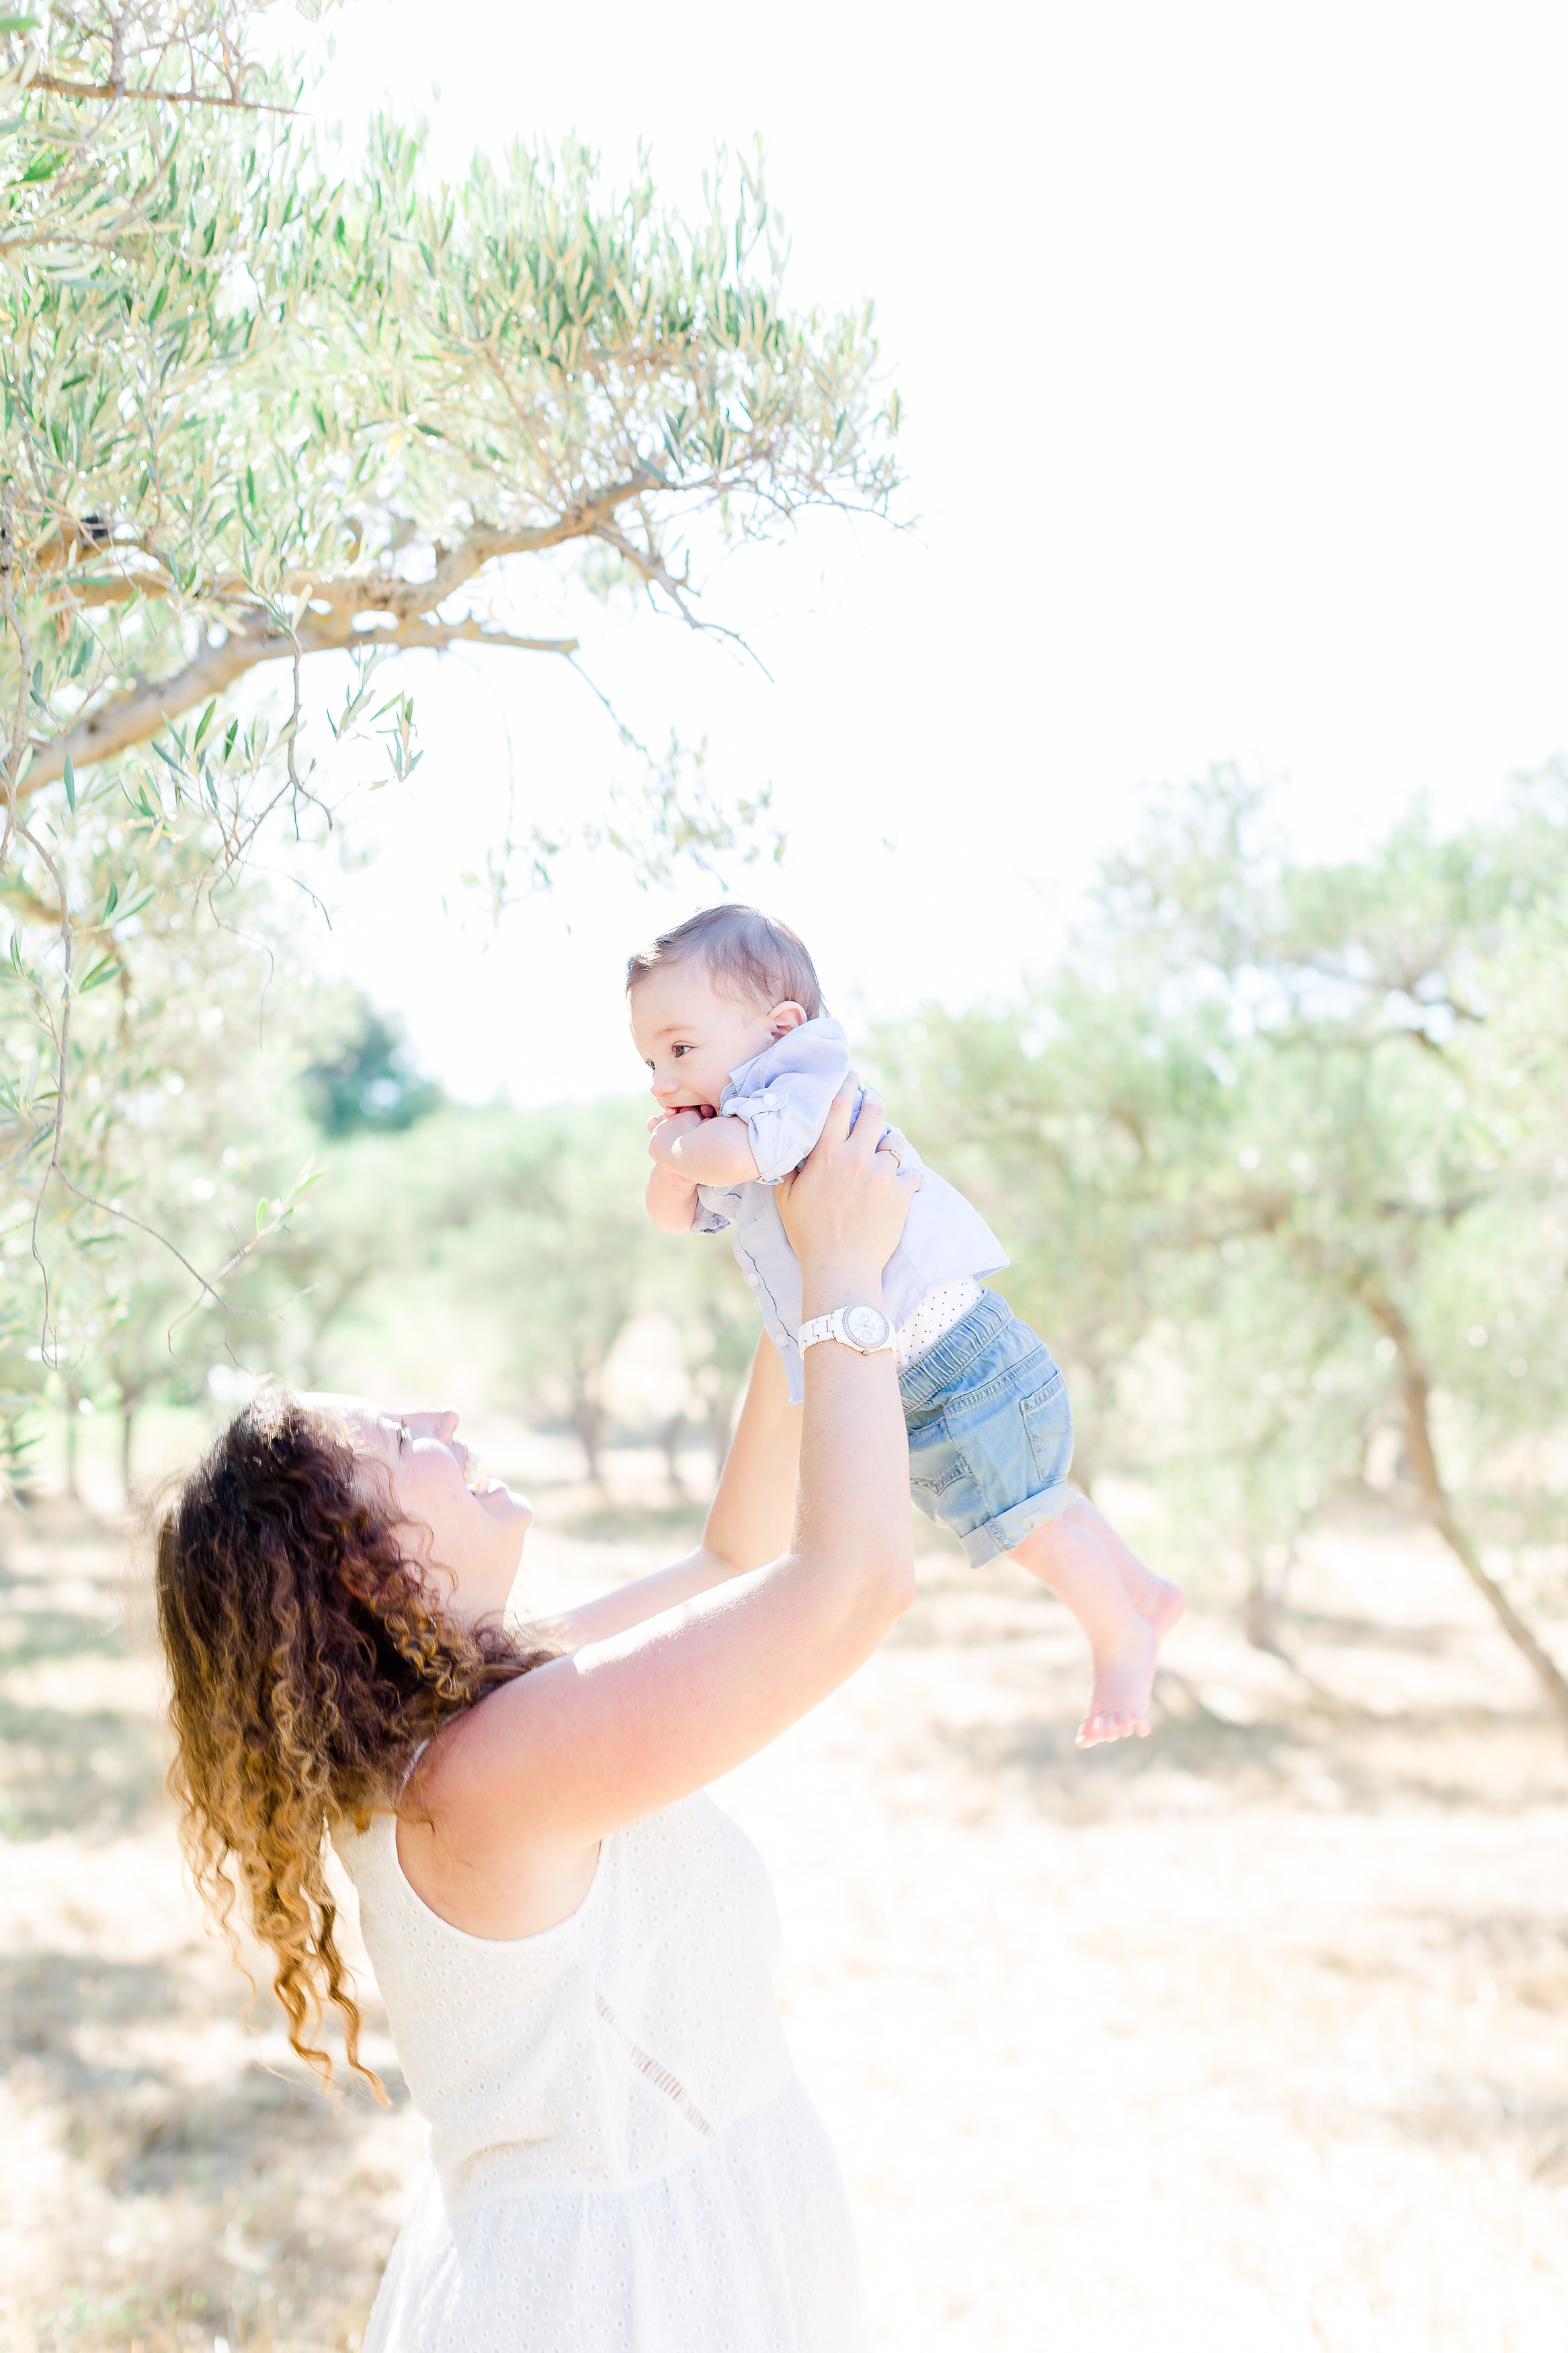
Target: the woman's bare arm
pixel 519 1793
pixel 747 1522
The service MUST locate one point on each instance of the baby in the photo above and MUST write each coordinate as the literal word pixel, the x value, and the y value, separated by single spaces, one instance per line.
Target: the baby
pixel 728 1015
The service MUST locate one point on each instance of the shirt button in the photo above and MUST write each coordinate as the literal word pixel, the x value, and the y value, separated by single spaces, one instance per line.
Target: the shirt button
pixel 751 1276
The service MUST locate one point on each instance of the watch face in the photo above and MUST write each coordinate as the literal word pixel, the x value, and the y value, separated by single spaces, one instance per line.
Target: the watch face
pixel 865 1326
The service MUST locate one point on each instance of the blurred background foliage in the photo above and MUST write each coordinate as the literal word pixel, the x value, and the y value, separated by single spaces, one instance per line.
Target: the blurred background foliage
pixel 1280 1153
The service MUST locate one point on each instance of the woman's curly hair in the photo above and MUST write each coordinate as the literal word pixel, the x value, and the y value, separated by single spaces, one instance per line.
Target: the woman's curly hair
pixel 307 1665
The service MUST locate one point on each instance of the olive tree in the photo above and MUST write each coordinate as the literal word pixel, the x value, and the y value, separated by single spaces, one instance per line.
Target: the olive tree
pixel 189 1155
pixel 265 404
pixel 1283 1157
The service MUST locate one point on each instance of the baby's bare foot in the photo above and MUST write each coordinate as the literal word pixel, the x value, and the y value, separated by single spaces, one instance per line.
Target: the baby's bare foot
pixel 1159 1604
pixel 1123 1680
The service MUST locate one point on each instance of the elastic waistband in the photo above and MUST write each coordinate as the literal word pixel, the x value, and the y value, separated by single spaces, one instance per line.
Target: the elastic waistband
pixel 937 1370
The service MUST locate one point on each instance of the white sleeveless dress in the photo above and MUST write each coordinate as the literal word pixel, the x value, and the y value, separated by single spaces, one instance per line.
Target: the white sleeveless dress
pixel 622 2157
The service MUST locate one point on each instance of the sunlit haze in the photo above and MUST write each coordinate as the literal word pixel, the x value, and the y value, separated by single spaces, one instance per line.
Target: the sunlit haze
pixel 1232 349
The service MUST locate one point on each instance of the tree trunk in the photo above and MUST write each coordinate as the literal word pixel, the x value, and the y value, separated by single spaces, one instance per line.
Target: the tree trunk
pixel 1418 1391
pixel 73 1432
pixel 671 1434
pixel 1263 1604
pixel 588 1421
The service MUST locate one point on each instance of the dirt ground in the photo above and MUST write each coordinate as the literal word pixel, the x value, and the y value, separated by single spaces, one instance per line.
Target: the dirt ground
pixel 1252 2034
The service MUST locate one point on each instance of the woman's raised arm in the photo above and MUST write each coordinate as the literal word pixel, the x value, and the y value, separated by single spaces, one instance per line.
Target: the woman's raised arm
pixel 520 1792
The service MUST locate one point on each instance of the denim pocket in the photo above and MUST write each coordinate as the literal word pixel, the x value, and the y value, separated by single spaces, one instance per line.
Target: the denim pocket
pixel 1048 1419
pixel 940 1480
pixel 936 1484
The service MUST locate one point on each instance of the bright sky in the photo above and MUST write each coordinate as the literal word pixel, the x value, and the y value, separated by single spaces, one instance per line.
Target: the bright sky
pixel 1232 345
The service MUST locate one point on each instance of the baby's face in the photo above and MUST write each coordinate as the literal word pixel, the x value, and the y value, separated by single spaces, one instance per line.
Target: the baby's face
pixel 692 1036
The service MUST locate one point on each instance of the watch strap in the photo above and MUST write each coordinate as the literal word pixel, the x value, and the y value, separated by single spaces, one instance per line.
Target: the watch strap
pixel 832 1327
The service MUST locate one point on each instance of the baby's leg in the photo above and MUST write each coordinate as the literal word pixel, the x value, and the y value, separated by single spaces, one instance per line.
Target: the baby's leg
pixel 1072 1560
pixel 1152 1597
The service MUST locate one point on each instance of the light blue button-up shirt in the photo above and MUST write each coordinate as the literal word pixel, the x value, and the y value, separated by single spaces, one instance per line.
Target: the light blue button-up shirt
pixel 784 1094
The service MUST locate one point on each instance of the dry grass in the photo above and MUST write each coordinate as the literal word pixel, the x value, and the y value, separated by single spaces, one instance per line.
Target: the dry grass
pixel 1253 2034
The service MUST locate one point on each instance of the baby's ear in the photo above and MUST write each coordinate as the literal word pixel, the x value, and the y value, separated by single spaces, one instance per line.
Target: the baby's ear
pixel 786 1016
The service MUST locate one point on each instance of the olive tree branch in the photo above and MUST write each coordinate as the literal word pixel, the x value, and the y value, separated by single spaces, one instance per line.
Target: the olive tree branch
pixel 23 666
pixel 111 92
pixel 126 1218
pixel 329 624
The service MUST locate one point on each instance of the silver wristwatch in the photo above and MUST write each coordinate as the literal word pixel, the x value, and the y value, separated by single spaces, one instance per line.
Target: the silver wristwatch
pixel 864 1329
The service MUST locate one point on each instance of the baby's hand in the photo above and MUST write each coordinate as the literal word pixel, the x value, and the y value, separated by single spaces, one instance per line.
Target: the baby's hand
pixel 665 1131
pixel 703 1111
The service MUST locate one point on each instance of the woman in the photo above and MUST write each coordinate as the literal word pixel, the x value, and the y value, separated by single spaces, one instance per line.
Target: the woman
pixel 573 1944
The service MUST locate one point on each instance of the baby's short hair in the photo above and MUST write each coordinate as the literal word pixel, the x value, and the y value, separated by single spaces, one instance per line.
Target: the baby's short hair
pixel 750 956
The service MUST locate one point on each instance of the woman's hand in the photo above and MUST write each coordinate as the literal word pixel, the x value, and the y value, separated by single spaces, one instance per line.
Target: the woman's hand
pixel 843 1210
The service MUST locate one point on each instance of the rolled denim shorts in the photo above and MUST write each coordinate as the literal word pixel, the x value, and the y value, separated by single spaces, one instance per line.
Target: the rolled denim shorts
pixel 990 1432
